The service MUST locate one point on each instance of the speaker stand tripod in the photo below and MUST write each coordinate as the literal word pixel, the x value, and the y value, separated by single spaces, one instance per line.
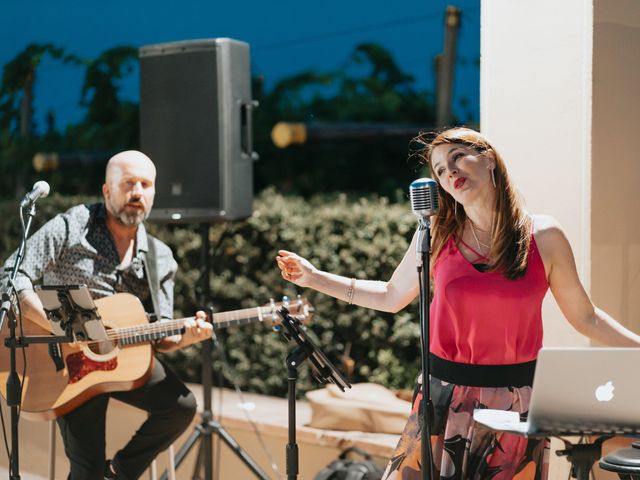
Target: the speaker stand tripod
pixel 208 427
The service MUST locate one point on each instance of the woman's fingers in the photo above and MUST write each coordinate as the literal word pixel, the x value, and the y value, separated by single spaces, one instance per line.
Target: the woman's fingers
pixel 293 267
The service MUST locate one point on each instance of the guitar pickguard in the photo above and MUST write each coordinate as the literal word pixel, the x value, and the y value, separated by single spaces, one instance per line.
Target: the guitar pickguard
pixel 79 366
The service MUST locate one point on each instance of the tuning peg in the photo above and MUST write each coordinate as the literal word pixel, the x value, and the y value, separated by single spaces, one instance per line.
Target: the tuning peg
pixel 285 301
pixel 274 315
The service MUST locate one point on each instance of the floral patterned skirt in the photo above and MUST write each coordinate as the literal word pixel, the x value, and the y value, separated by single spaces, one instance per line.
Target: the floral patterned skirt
pixel 463 449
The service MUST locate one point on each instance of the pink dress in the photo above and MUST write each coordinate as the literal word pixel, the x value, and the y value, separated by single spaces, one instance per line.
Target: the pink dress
pixel 485 334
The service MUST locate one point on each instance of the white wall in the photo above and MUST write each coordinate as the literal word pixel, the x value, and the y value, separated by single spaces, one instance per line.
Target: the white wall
pixel 560 97
pixel 615 232
pixel 535 105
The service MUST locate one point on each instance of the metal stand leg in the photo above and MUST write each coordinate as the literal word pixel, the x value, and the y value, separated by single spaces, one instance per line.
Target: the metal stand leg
pixel 52 450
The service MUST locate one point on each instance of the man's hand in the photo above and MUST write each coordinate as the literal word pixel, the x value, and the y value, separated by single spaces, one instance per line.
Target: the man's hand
pixel 196 330
pixel 32 309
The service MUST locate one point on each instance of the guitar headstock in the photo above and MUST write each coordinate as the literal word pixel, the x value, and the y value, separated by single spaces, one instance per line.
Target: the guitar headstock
pixel 300 308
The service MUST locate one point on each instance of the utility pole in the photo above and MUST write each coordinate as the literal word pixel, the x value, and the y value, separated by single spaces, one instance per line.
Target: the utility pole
pixel 26 106
pixel 445 67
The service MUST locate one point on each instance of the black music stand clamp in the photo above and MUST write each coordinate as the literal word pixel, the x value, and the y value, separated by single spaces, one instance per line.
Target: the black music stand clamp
pixel 71 312
pixel 582 456
pixel 323 370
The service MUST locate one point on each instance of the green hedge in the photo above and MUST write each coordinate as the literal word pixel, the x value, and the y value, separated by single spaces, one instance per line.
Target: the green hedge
pixel 363 237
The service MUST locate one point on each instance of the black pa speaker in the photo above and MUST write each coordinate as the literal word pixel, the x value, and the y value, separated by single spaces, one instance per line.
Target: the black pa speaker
pixel 196 125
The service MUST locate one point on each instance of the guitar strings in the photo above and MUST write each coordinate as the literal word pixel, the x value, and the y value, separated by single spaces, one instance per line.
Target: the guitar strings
pixel 166 326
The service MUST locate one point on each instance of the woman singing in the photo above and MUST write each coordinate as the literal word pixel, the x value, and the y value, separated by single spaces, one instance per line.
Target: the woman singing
pixel 492 263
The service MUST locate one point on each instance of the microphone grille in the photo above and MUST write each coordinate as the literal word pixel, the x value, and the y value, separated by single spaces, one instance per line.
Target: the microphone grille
pixel 424 196
pixel 42 187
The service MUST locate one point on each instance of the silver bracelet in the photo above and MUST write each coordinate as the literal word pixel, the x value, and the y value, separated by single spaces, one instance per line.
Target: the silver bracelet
pixel 351 291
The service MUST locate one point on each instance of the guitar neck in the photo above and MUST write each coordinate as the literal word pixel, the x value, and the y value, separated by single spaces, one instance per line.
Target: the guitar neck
pixel 161 329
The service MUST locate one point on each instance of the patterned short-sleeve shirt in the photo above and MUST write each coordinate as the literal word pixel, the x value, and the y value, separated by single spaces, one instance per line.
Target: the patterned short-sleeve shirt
pixel 76 247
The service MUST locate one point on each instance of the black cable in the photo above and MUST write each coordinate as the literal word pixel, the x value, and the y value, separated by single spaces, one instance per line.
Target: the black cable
pixel 19 307
pixel 426 377
pixel 226 368
pixel 218 443
pixel 4 432
pixel 24 355
pixel 24 362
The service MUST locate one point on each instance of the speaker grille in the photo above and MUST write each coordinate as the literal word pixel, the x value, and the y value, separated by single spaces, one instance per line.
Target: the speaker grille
pixel 191 95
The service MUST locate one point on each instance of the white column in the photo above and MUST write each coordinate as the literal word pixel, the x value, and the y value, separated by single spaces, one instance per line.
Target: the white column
pixel 535 105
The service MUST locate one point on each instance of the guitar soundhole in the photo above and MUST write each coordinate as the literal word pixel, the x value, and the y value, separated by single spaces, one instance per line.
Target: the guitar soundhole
pixel 102 347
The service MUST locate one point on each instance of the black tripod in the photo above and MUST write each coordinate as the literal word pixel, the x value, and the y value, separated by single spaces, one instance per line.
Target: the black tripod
pixel 208 427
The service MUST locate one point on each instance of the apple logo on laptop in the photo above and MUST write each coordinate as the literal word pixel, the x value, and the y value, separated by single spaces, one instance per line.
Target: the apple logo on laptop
pixel 604 393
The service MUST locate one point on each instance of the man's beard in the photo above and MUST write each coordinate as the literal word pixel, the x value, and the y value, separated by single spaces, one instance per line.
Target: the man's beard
pixel 131 219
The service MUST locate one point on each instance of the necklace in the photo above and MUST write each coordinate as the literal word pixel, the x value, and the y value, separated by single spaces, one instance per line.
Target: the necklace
pixel 475 237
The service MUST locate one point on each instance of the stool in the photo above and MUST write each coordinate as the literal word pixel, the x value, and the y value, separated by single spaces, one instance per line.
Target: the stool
pixel 624 461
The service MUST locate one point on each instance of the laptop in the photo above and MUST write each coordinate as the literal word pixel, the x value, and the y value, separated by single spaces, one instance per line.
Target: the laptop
pixel 577 391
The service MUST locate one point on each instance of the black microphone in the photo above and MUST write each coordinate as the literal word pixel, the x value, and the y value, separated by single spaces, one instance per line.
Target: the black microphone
pixel 424 198
pixel 40 189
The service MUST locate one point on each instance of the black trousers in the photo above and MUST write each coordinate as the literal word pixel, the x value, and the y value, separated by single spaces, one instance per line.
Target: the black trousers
pixel 171 408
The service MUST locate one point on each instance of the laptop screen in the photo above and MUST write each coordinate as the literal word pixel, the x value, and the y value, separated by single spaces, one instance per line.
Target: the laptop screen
pixel 586 389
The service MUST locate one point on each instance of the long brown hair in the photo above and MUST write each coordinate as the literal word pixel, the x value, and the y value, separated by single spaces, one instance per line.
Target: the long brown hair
pixel 511 226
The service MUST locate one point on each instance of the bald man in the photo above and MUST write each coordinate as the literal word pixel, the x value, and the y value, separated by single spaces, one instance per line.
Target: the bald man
pixel 105 246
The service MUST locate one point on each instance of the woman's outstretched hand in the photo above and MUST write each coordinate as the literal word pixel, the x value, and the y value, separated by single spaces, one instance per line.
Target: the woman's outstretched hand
pixel 294 268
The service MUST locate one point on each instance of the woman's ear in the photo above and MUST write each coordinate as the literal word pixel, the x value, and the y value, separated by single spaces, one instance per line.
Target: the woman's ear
pixel 491 158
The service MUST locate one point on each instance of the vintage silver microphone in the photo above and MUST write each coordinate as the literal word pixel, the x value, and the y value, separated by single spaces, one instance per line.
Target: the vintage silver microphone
pixel 424 203
pixel 40 190
pixel 424 197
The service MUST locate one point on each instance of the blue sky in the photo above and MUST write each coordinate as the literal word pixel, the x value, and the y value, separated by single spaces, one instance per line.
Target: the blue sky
pixel 286 37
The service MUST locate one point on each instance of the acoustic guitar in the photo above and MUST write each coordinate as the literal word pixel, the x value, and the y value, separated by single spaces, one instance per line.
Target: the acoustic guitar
pixel 123 362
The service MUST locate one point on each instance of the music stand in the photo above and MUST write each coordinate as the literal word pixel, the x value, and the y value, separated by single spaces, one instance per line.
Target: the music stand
pixel 323 370
pixel 71 312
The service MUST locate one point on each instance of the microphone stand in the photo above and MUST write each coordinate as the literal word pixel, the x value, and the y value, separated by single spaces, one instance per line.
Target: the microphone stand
pixel 14 387
pixel 14 383
pixel 423 256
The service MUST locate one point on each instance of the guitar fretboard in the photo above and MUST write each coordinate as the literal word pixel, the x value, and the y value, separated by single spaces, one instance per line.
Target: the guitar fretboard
pixel 166 328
